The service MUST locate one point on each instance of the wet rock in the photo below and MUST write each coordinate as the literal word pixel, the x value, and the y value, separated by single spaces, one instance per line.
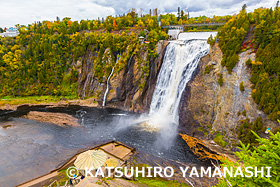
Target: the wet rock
pixel 60 119
pixel 207 105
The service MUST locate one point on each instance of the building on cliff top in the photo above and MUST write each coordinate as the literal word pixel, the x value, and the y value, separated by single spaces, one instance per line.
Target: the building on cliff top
pixel 10 32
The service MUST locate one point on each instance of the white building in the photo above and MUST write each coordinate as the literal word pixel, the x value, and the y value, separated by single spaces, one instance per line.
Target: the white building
pixel 10 32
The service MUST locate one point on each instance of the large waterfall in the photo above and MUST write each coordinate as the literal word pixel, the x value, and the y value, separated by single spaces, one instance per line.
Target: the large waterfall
pixel 180 61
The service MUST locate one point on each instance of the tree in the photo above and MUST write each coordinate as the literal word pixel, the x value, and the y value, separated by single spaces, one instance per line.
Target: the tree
pixel 178 13
pixel 276 10
pixel 244 8
pixel 182 14
pixel 114 24
pixel 267 154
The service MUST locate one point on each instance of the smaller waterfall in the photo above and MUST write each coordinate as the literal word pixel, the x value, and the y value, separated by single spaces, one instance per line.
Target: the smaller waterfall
pixel 108 80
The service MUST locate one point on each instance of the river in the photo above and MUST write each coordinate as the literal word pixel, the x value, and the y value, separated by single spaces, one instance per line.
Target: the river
pixel 30 149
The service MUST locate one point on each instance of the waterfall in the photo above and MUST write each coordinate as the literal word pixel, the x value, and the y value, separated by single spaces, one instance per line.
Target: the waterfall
pixel 108 80
pixel 180 61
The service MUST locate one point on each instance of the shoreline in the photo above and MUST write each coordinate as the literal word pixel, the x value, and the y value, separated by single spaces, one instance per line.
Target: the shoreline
pixel 91 102
pixel 54 102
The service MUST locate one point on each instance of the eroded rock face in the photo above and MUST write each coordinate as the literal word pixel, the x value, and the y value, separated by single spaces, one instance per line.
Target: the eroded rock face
pixel 125 91
pixel 207 106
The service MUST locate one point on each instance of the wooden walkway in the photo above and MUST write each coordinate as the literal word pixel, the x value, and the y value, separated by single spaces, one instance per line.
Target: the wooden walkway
pixel 115 149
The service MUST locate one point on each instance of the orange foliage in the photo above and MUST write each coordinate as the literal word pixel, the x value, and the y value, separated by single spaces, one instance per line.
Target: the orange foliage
pixel 49 24
pixel 69 23
pixel 114 24
pixel 199 148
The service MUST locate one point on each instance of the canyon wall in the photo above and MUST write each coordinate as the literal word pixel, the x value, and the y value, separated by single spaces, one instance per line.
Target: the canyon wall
pixel 128 88
pixel 207 108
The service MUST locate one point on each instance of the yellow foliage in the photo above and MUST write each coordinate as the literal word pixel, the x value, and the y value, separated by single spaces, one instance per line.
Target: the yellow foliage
pixel 140 24
pixel 15 47
pixel 198 148
pixel 256 63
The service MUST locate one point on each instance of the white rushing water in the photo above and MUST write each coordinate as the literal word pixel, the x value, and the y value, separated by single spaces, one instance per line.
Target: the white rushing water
pixel 180 61
pixel 108 81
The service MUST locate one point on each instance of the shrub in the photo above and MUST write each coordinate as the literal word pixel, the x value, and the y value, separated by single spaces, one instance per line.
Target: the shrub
pixel 266 154
pixel 258 124
pixel 244 112
pixel 220 80
pixel 241 87
pixel 219 140
pixel 277 129
pixel 248 62
pixel 207 69
pixel 211 40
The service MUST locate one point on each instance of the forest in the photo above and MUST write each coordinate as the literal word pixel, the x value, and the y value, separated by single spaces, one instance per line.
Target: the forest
pixel 42 60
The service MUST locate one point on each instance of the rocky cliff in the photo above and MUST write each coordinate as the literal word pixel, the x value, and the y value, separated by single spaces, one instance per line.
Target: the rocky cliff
pixel 207 108
pixel 128 88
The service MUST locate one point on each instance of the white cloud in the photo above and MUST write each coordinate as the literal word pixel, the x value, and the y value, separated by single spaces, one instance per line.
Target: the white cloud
pixel 25 12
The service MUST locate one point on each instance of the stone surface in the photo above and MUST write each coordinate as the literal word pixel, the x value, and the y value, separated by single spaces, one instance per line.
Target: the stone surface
pixel 124 86
pixel 207 106
pixel 60 119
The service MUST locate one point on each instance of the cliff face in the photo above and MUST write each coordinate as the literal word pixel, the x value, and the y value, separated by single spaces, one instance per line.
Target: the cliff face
pixel 128 89
pixel 206 107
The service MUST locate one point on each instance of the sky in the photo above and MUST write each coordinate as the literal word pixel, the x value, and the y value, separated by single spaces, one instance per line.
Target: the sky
pixel 25 12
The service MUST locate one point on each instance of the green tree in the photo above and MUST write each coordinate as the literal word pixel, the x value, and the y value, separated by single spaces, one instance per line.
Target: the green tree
pixel 267 154
pixel 178 14
pixel 244 8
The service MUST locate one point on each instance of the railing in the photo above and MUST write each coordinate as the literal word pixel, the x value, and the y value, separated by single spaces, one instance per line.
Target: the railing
pixel 58 184
pixel 54 182
pixel 191 24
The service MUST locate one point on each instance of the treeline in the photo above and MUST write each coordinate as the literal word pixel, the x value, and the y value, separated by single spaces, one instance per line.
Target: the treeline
pixel 42 60
pixel 266 43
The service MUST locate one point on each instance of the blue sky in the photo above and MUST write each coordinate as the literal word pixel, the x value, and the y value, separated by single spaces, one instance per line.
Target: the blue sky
pixel 27 11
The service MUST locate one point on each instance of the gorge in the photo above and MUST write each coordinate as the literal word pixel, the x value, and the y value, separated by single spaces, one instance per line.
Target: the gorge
pixel 46 142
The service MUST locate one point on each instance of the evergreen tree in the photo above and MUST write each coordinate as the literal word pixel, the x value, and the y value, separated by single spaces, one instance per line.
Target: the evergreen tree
pixel 178 14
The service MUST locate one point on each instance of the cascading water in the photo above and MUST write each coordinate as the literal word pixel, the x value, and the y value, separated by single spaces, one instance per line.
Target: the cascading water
pixel 108 80
pixel 180 61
